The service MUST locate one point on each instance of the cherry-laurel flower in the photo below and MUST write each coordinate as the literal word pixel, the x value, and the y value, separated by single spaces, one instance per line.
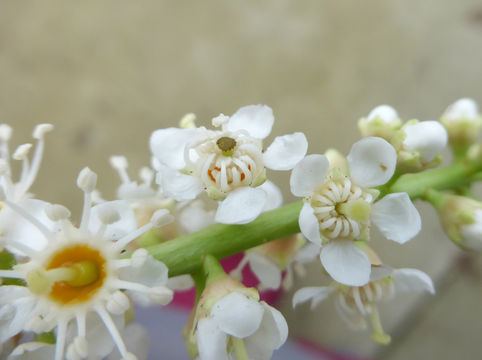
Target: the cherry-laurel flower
pixel 229 164
pixel 339 208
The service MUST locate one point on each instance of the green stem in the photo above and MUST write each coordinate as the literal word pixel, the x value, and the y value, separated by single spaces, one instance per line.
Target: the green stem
pixel 200 282
pixel 185 254
pixel 213 270
pixel 436 198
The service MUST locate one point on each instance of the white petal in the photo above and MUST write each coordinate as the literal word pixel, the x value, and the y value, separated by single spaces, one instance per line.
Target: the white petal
pixel 194 217
pixel 307 293
pixel 126 224
pixel 346 263
pixel 472 233
pixel 211 341
pixel 274 197
pixel 309 225
pixel 179 186
pixel 379 272
pixel 168 146
pixel 152 273
pixel 237 315
pixel 372 161
pixel 383 112
pixel 412 280
pixel 99 340
pixel 136 339
pixel 463 108
pixel 268 273
pixel 272 333
pixel 241 206
pixel 286 151
pixel 307 253
pixel 33 351
pixel 16 305
pixel 427 137
pixel 396 217
pixel 309 174
pixel 181 282
pixel 257 120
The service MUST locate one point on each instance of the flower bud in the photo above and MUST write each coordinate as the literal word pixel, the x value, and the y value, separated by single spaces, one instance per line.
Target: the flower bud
pixel 461 219
pixel 383 121
pixel 462 121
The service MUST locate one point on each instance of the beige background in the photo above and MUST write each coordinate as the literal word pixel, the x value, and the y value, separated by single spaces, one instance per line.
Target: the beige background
pixel 107 73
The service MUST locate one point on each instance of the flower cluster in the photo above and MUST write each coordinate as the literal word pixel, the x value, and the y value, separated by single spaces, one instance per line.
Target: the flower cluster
pixel 74 286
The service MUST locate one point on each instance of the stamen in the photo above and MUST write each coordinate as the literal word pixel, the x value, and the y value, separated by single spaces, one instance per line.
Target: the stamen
pixel 379 335
pixel 81 324
pixel 12 274
pixel 358 301
pixel 114 332
pixel 120 164
pixel 60 341
pixel 188 121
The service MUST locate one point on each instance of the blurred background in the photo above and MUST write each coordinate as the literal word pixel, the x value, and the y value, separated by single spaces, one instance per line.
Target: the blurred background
pixel 108 73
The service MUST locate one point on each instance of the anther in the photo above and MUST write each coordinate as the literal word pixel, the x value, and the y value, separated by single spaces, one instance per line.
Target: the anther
pixel 22 151
pixel 41 129
pixel 87 180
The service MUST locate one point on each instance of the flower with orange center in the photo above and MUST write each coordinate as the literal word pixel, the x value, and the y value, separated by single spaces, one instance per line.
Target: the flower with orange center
pixel 77 271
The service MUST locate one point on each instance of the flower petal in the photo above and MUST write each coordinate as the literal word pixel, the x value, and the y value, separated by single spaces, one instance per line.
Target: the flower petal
pixel 211 341
pixel 396 217
pixel 309 225
pixel 274 197
pixel 383 112
pixel 286 151
pixel 310 293
pixel 241 206
pixel 168 146
pixel 126 224
pixel 195 217
pixel 372 161
pixel 179 186
pixel 33 351
pixel 257 120
pixel 429 138
pixel 136 339
pixel 412 280
pixel 346 263
pixel 272 333
pixel 465 108
pixel 268 273
pixel 16 305
pixel 152 273
pixel 237 315
pixel 308 174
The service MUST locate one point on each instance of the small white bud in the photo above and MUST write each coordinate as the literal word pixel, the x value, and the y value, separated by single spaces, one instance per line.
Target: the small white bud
pixel 462 109
pixel 41 129
pixel 161 217
pixel 383 112
pixel 87 180
pixel 108 215
pixel 429 138
pixel 5 132
pixel 22 151
pixel 139 257
pixel 188 121
pixel 118 303
pixel 57 212
pixel 220 120
pixel 118 162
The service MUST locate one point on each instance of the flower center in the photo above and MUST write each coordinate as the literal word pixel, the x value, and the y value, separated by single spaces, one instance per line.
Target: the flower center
pixel 72 276
pixel 226 145
pixel 342 209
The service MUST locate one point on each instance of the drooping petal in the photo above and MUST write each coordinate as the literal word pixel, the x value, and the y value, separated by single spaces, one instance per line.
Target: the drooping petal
pixel 311 293
pixel 211 341
pixel 429 138
pixel 152 273
pixel 268 273
pixel 272 333
pixel 286 151
pixel 274 197
pixel 396 217
pixel 309 225
pixel 308 174
pixel 346 263
pixel 237 315
pixel 126 224
pixel 241 206
pixel 99 340
pixel 257 120
pixel 16 305
pixel 372 161
pixel 407 280
pixel 168 146
pixel 179 186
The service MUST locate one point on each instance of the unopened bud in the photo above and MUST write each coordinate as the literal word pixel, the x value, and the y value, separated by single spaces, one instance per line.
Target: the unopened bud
pixel 462 121
pixel 383 121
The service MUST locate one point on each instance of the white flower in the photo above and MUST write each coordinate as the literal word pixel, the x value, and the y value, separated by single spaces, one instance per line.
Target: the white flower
pixel 383 112
pixel 268 261
pixel 228 163
pixel 74 272
pixel 426 138
pixel 242 325
pixel 338 209
pixel 462 121
pixel 355 304
pixel 382 121
pixel 462 109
